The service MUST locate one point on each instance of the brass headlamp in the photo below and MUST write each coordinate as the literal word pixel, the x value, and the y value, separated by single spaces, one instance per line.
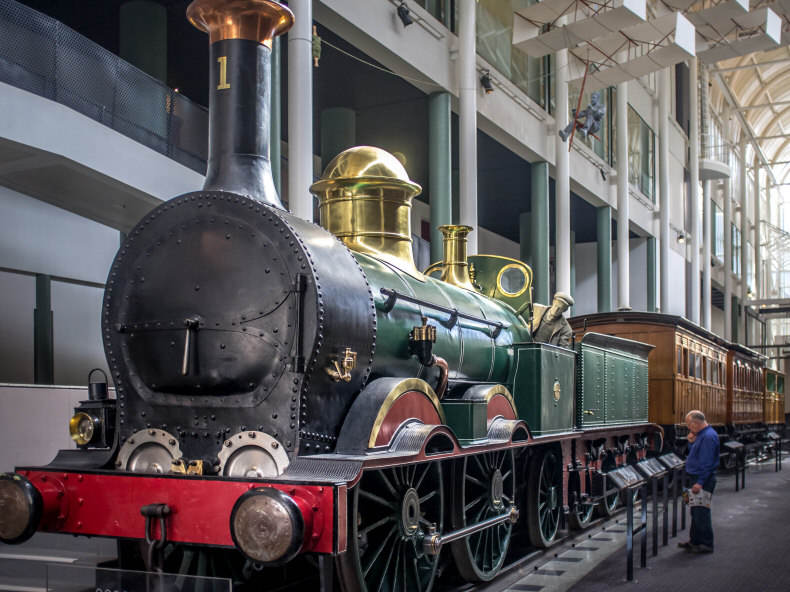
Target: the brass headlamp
pixel 83 427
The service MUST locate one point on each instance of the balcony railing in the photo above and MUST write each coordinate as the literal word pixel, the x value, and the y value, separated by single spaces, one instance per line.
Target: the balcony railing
pixel 43 56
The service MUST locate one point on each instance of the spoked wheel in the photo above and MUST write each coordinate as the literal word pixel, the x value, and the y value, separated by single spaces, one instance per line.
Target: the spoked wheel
pixel 608 504
pixel 544 498
pixel 580 516
pixel 484 487
pixel 390 511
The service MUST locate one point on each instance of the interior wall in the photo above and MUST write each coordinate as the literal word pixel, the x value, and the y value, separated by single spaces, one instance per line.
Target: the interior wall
pixel 38 238
pixel 586 297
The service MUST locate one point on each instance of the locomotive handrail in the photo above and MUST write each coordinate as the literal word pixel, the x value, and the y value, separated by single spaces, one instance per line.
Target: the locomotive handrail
pixel 393 296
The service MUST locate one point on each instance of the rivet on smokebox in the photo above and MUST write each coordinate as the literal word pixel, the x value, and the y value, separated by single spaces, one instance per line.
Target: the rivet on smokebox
pixel 228 443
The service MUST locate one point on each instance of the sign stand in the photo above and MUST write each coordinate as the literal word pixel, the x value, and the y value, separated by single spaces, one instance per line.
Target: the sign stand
pixel 777 442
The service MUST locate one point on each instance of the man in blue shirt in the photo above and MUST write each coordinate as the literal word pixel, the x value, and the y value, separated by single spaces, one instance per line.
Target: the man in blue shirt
pixel 701 464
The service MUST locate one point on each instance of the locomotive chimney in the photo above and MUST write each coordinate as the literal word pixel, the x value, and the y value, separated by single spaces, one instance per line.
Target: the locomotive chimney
pixel 240 34
pixel 455 269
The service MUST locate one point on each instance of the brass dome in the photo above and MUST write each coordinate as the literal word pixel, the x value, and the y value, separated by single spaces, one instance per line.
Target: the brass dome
pixel 364 199
pixel 364 165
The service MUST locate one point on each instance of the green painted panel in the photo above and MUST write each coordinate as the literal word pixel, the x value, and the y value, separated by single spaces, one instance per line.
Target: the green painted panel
pixel 543 382
pixel 641 396
pixel 620 388
pixel 591 387
pixel 467 419
pixel 612 377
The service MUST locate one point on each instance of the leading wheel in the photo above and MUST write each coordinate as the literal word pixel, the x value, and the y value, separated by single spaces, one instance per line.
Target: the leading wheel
pixel 390 511
pixel 544 498
pixel 484 487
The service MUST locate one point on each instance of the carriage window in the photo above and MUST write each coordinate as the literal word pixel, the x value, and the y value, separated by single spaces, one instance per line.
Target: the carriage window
pixel 698 362
pixel 780 384
pixel 690 359
pixel 680 361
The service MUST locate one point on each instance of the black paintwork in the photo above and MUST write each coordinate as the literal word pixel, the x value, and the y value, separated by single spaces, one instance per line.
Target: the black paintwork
pixel 230 266
pixel 239 121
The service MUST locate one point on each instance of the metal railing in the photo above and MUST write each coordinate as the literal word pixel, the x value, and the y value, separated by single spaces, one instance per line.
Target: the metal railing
pixel 41 55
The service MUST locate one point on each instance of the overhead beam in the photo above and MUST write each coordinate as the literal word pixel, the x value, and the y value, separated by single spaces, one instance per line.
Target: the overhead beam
pixel 732 100
pixel 752 65
pixel 773 137
pixel 764 106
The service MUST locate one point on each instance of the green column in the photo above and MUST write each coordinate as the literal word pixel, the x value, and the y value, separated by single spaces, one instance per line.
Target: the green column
pixel 338 132
pixel 143 37
pixel 735 316
pixel 573 266
pixel 651 274
pixel 540 232
pixel 43 342
pixel 604 259
pixel 456 196
pixel 440 175
pixel 525 237
pixel 275 152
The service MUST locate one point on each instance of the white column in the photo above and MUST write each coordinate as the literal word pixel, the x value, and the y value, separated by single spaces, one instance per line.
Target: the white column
pixel 663 184
pixel 758 272
pixel 744 225
pixel 623 254
pixel 300 110
pixel 727 258
pixel 695 197
pixel 706 244
pixel 728 231
pixel 706 197
pixel 467 120
pixel 562 182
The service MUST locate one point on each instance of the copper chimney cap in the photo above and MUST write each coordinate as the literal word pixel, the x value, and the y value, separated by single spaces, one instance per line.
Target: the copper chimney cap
pixel 254 20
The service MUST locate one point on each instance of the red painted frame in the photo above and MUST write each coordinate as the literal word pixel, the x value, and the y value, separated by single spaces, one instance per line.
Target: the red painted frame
pixel 108 504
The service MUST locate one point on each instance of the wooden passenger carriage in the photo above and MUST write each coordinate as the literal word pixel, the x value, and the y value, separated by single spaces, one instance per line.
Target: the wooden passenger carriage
pixel 745 384
pixel 774 402
pixel 688 369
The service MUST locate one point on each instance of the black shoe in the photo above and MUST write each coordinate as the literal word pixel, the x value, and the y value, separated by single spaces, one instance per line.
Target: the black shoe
pixel 702 549
pixel 687 545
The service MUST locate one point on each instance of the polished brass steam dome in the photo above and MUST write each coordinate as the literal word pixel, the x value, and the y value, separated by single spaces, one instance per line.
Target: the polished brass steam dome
pixel 365 200
pixel 363 165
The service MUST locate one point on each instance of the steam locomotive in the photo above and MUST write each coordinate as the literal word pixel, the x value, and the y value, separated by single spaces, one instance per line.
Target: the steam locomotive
pixel 285 389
